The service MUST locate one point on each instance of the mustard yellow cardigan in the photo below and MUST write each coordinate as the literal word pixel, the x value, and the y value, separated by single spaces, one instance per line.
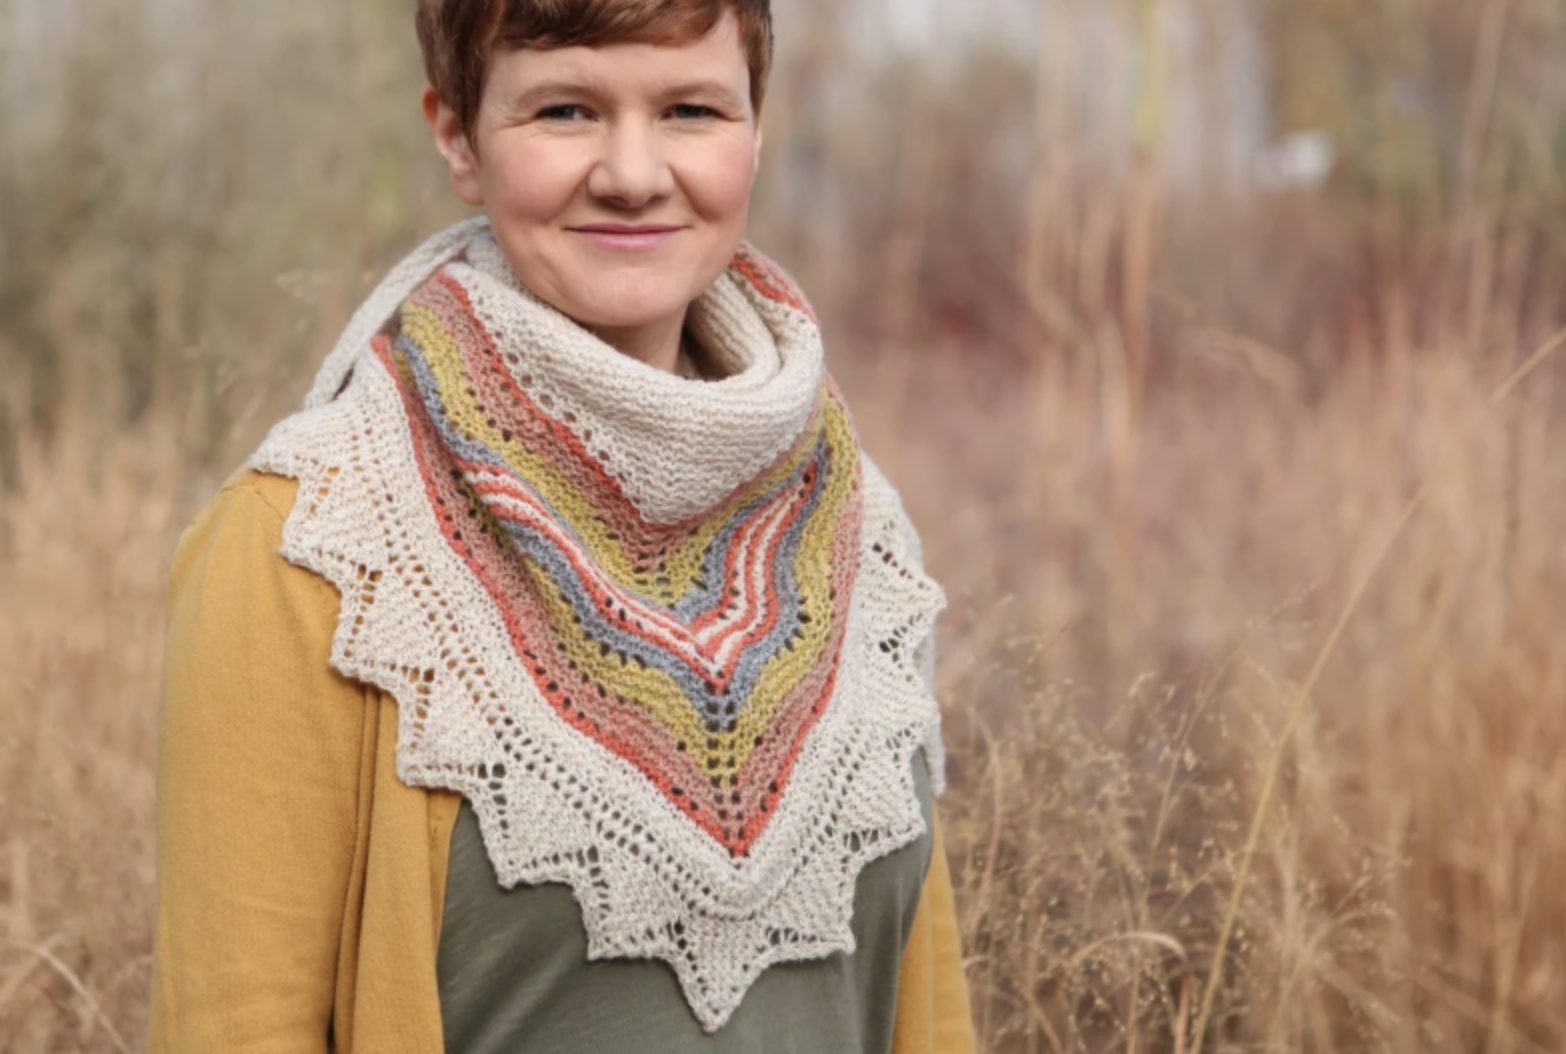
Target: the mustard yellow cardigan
pixel 300 883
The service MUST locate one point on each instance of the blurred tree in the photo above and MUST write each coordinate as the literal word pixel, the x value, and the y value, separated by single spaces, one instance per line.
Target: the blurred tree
pixel 1426 99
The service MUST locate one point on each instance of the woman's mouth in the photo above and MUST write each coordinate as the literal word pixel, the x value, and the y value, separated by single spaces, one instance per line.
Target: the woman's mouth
pixel 622 237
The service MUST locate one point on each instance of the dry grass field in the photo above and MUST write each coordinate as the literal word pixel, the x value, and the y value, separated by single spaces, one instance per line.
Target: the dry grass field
pixel 1243 478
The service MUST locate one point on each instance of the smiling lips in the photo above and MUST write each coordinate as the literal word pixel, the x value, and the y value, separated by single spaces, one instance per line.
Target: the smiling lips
pixel 623 237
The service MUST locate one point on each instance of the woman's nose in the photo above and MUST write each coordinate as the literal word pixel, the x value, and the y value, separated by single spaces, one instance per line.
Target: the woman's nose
pixel 632 170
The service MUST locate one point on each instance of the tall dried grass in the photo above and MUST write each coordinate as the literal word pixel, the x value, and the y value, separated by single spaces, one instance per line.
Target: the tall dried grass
pixel 1253 690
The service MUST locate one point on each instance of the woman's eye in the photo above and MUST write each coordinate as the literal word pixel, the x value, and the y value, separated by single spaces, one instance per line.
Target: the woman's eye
pixel 693 112
pixel 566 112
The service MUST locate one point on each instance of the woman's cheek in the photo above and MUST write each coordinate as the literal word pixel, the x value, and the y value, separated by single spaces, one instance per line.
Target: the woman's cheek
pixel 534 185
pixel 722 180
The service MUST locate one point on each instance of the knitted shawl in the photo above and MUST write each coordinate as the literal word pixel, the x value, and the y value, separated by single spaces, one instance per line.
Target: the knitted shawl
pixel 669 637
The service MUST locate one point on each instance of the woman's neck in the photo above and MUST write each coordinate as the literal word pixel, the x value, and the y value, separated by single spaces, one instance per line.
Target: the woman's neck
pixel 657 344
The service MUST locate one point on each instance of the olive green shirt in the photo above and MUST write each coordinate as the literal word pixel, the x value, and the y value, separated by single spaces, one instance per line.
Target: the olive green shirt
pixel 514 976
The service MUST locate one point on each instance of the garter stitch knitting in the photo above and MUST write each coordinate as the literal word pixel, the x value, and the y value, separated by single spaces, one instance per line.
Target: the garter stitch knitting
pixel 669 637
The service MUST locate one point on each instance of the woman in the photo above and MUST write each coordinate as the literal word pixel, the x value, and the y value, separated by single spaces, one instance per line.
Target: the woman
pixel 558 679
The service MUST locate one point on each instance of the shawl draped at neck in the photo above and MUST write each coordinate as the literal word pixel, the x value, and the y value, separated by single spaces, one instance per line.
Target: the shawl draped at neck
pixel 669 637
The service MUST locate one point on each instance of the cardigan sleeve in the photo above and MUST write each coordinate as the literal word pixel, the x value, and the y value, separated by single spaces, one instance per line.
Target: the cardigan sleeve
pixel 933 1013
pixel 257 791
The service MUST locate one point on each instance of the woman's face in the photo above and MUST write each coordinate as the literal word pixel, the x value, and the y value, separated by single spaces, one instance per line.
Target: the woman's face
pixel 617 178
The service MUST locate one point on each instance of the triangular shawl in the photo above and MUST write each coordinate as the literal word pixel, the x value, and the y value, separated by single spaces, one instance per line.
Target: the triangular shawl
pixel 669 637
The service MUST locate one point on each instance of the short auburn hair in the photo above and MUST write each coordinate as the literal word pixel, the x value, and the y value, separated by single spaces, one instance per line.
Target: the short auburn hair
pixel 457 37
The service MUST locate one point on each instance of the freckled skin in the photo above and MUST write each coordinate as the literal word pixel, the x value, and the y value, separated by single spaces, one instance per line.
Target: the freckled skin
pixel 626 134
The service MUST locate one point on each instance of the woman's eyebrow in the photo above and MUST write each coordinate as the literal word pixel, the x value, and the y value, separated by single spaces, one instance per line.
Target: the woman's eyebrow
pixel 532 96
pixel 556 88
pixel 718 91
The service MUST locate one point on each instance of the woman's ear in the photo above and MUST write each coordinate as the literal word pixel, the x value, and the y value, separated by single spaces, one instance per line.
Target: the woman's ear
pixel 455 150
